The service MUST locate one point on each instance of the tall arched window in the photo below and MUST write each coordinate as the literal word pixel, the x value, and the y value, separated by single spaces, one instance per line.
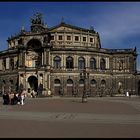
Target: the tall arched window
pixel 102 64
pixel 81 63
pixel 57 62
pixel 93 63
pixel 69 62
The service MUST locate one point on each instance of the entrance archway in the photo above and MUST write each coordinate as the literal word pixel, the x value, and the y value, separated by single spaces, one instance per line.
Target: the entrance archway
pixel 33 82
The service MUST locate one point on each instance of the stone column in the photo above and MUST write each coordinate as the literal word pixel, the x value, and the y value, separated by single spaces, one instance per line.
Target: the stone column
pixel 44 56
pixel 42 62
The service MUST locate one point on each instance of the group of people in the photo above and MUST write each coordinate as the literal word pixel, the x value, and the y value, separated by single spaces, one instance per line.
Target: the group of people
pixel 14 98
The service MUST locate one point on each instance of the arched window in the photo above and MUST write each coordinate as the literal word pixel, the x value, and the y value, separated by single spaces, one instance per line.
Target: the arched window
pixel 57 62
pixel 81 82
pixel 93 83
pixel 69 62
pixel 69 82
pixel 57 82
pixel 102 64
pixel 93 63
pixel 103 83
pixel 81 63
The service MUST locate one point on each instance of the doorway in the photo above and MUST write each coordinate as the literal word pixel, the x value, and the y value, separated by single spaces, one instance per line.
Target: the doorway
pixel 33 82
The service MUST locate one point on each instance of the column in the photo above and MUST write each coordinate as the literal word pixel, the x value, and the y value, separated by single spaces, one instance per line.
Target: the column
pixel 42 62
pixel 44 56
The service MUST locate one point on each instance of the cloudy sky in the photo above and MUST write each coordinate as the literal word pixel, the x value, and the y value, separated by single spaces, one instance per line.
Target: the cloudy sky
pixel 118 23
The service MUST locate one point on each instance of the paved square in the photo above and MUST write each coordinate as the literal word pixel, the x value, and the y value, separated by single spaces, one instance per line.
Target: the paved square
pixel 105 117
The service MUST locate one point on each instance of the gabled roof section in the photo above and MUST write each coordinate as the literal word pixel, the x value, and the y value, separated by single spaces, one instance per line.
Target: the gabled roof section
pixel 63 24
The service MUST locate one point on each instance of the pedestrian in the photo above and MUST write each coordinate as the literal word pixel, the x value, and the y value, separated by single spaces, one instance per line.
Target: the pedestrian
pixel 11 95
pixel 23 95
pixel 15 98
pixel 127 94
pixel 6 99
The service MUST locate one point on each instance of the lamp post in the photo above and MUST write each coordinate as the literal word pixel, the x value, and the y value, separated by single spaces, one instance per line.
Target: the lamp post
pixel 84 75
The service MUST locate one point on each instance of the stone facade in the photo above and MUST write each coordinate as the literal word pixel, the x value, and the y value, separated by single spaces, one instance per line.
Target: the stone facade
pixel 66 60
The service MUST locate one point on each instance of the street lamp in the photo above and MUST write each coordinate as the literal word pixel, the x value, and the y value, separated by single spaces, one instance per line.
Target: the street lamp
pixel 84 75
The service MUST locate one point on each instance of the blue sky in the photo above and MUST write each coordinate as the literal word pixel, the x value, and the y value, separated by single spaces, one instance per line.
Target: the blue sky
pixel 118 23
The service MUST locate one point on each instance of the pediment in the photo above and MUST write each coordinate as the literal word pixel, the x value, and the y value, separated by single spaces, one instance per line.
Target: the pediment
pixel 64 29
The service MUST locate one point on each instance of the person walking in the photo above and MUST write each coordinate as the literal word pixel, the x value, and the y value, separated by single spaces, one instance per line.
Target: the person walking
pixel 23 95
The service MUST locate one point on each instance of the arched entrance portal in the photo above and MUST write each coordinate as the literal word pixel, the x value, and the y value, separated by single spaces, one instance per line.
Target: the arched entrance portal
pixel 33 82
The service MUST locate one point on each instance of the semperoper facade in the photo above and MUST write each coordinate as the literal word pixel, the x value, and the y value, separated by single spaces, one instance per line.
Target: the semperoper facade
pixel 52 60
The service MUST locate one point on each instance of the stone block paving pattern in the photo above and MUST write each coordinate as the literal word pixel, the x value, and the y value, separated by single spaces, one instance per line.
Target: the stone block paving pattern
pixel 106 117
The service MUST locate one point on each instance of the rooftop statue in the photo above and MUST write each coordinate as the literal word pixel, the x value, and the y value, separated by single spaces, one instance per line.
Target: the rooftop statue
pixel 37 19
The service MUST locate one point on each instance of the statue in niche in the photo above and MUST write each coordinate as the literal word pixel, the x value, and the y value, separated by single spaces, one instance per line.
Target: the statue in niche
pixel 120 88
pixel 120 64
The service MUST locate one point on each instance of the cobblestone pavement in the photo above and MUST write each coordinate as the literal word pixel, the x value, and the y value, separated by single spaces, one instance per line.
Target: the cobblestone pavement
pixel 68 117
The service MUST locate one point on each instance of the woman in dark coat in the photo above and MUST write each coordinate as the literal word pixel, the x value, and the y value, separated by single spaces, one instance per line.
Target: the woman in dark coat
pixel 6 99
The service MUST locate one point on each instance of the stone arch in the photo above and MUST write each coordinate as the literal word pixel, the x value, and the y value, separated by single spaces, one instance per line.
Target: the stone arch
pixel 34 53
pixel 34 44
pixel 33 82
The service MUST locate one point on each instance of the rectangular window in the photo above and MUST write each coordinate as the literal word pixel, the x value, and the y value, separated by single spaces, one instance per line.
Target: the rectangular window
pixel 60 37
pixel 68 37
pixel 84 38
pixel 4 64
pixel 76 38
pixel 91 39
